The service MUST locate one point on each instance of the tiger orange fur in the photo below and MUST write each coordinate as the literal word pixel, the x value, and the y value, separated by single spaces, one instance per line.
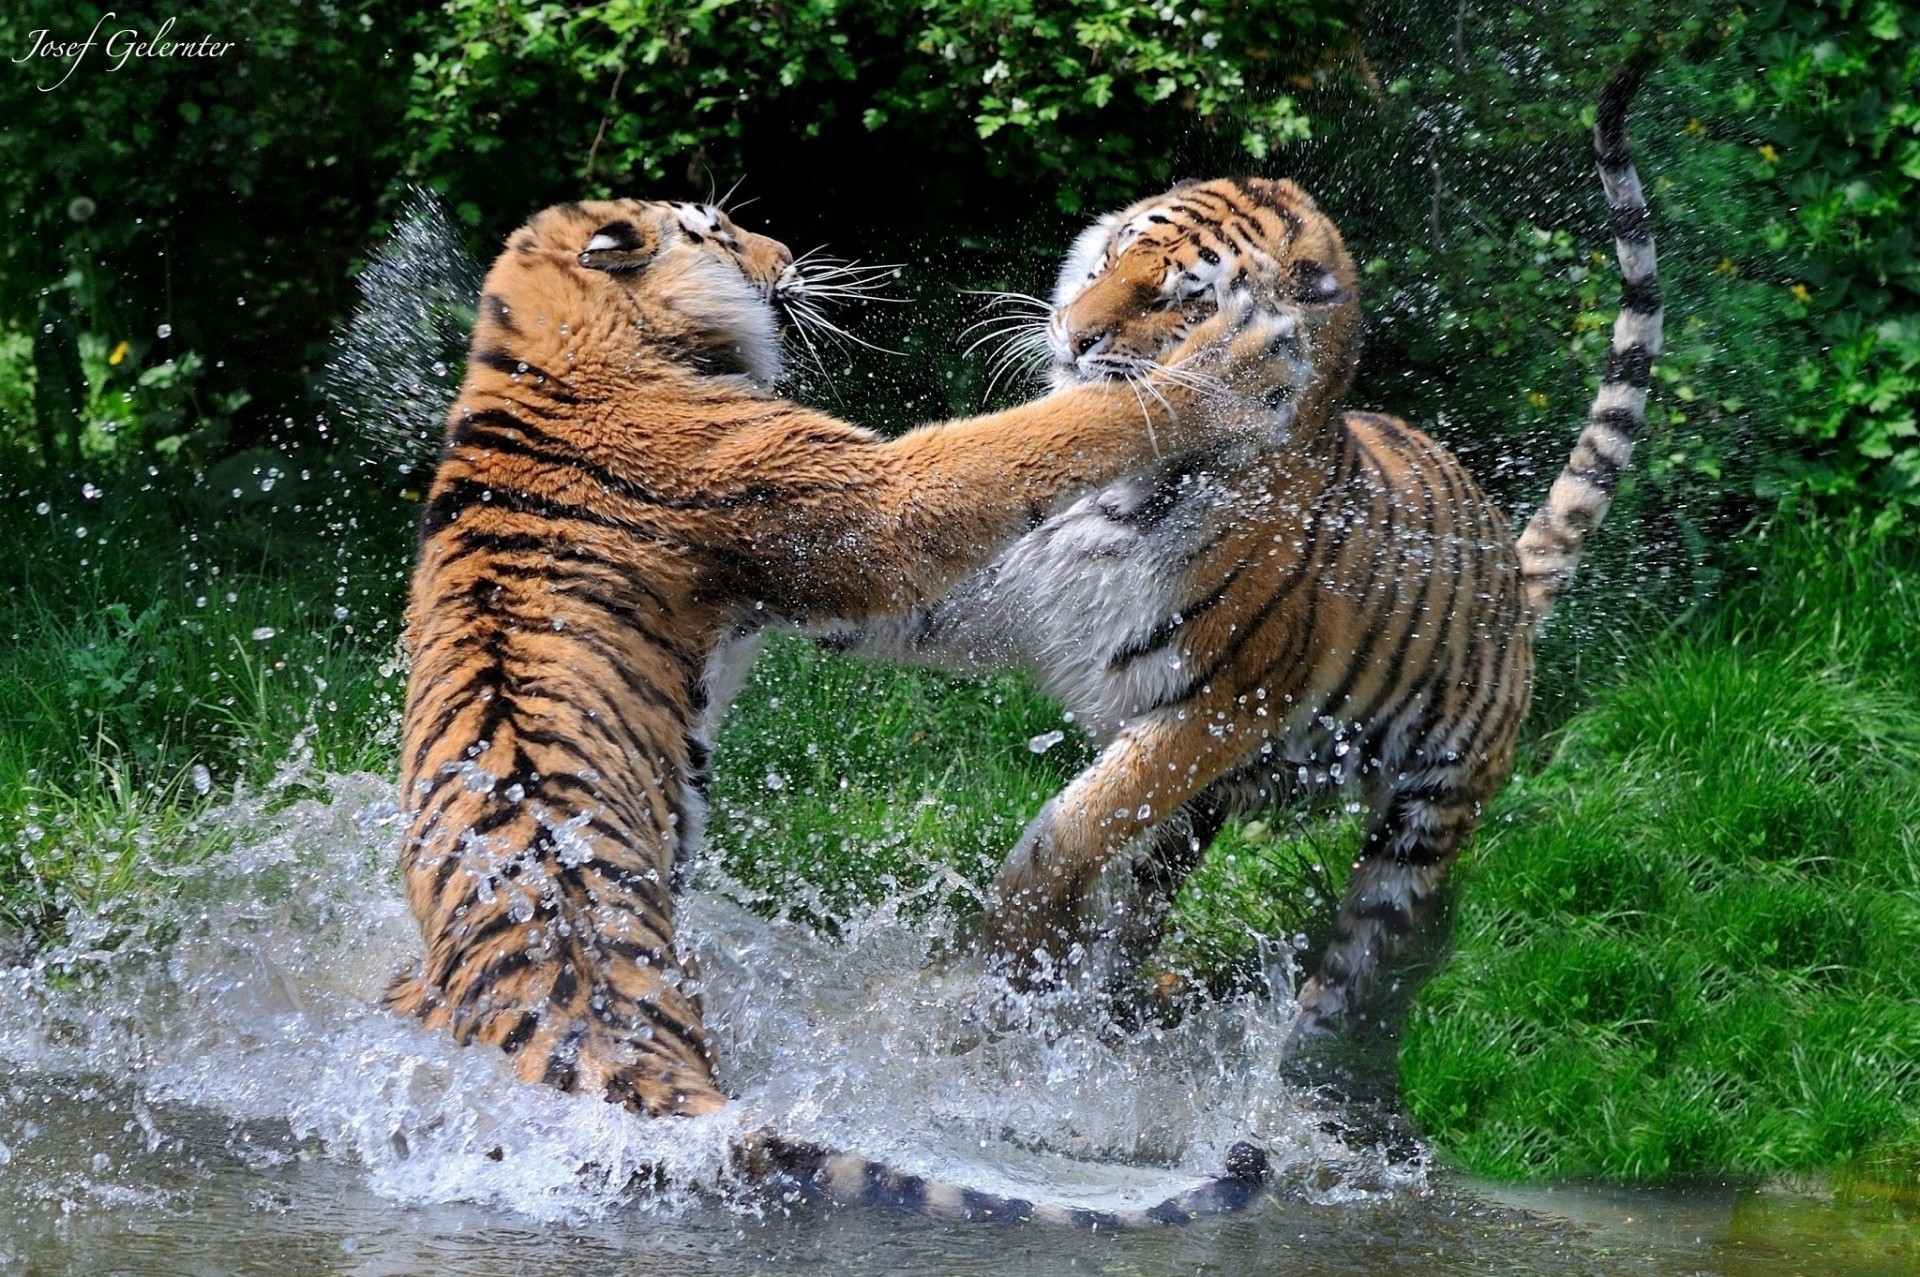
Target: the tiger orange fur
pixel 620 503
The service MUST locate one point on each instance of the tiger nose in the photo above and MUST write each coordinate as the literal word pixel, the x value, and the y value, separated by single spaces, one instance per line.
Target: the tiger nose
pixel 1083 341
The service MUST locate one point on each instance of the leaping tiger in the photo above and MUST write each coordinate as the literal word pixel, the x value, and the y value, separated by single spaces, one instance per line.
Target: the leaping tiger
pixel 1242 627
pixel 621 501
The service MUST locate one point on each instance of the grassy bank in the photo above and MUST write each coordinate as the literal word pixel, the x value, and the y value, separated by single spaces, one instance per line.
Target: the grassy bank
pixel 1686 945
pixel 156 659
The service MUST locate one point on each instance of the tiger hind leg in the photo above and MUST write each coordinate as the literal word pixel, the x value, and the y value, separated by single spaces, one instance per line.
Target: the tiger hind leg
pixel 1406 850
pixel 583 994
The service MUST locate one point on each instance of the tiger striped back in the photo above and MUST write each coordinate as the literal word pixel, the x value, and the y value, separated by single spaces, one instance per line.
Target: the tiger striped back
pixel 1242 628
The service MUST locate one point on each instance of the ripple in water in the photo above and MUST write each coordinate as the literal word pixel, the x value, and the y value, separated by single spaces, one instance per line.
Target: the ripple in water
pixel 252 996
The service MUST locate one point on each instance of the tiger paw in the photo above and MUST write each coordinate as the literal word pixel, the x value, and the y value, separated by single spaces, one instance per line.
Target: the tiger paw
pixel 1247 364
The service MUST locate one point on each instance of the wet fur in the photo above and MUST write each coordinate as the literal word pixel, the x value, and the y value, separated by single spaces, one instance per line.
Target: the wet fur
pixel 1244 628
pixel 621 502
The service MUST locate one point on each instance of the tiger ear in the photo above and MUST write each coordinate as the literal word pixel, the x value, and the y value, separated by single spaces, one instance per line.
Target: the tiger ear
pixel 619 246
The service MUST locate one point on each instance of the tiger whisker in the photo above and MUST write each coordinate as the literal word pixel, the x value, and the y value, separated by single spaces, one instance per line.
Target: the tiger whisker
pixel 721 203
pixel 1132 381
pixel 1191 378
pixel 808 314
pixel 1000 298
pixel 1014 331
pixel 1012 358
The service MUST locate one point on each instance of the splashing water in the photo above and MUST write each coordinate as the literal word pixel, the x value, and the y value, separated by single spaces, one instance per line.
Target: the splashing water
pixel 397 364
pixel 251 996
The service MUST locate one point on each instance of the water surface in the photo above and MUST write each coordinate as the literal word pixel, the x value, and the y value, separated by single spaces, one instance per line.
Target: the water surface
pixel 212 1089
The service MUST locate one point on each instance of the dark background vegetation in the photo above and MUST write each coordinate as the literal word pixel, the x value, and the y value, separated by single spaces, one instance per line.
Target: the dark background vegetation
pixel 208 567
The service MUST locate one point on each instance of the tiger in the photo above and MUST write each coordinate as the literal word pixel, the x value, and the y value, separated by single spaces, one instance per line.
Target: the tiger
pixel 1240 628
pixel 621 505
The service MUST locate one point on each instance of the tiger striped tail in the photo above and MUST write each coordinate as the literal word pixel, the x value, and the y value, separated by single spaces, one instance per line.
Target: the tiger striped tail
pixel 1550 546
pixel 851 1180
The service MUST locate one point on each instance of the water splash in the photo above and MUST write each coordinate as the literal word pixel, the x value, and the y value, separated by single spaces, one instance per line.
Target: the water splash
pixel 396 366
pixel 251 994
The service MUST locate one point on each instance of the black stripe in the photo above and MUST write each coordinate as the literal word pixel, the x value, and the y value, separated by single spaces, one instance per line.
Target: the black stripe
pixel 890 1190
pixel 563 1065
pixel 512 365
pixel 981 1207
pixel 1622 421
pixel 1610 123
pixel 522 1030
pixel 495 309
pixel 670 1027
pixel 565 984
pixel 1602 472
pixel 1163 632
pixel 1631 224
pixel 1641 296
pixel 1632 366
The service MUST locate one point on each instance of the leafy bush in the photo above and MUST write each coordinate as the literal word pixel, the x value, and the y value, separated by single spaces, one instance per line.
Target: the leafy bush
pixel 1078 93
pixel 175 205
pixel 1842 79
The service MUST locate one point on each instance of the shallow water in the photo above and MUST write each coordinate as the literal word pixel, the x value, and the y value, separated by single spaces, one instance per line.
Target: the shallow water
pixel 214 1091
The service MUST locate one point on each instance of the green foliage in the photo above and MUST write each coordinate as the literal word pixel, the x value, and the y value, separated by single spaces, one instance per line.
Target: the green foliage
pixel 1843 80
pixel 147 670
pixel 838 784
pixel 1077 92
pixel 221 197
pixel 1685 947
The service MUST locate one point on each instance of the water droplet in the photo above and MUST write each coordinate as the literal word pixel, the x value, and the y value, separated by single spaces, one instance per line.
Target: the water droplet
pixel 263 633
pixel 1045 741
pixel 43 508
pixel 89 492
pixel 164 331
pixel 202 779
pixel 80 533
pixel 775 781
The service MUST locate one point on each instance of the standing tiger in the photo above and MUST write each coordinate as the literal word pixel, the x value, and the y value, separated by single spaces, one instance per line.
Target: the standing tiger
pixel 1240 627
pixel 621 502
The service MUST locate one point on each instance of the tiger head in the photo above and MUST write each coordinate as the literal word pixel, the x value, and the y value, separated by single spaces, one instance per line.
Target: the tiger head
pixel 1137 282
pixel 586 287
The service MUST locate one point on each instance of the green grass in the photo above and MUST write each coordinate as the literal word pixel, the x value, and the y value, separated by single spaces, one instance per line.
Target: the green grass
pixel 1686 945
pixel 839 784
pixel 149 668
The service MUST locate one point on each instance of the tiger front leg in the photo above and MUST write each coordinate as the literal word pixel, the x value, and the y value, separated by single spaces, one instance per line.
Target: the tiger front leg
pixel 1044 916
